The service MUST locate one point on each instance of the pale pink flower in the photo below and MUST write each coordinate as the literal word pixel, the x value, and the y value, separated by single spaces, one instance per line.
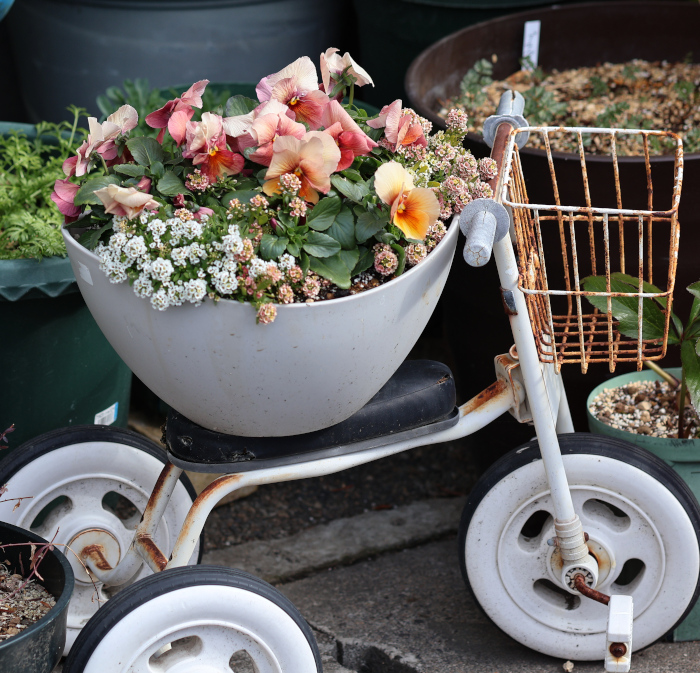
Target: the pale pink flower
pixel 413 210
pixel 266 129
pixel 267 314
pixel 312 159
pixel 332 65
pixel 101 139
pixel 125 201
pixel 206 146
pixel 296 86
pixel 401 128
pixel 175 114
pixel 63 196
pixel 350 138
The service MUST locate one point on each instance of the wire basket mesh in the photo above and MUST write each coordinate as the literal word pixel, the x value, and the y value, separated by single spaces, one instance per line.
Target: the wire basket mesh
pixel 593 297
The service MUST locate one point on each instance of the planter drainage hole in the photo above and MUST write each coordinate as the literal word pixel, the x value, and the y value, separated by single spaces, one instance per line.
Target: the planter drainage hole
pixel 631 572
pixel 122 508
pixel 58 506
pixel 171 654
pixel 530 536
pixel 556 596
pixel 241 662
pixel 607 514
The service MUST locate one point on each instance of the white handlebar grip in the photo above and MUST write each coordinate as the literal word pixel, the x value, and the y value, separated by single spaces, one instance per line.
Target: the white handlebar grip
pixel 477 249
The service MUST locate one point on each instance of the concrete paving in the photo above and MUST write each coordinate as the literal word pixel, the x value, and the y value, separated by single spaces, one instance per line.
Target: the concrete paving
pixel 405 611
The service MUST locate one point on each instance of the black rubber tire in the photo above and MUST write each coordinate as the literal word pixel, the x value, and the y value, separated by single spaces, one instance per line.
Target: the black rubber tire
pixel 581 443
pixel 152 586
pixel 77 434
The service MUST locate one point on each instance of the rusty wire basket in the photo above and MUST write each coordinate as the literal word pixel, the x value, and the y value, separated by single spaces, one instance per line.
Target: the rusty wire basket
pixel 606 240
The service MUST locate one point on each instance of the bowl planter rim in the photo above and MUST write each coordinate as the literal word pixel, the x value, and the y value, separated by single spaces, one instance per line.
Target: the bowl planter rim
pixel 670 449
pixel 61 602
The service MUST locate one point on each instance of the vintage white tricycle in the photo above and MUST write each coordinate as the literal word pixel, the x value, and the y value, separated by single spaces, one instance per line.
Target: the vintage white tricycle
pixel 571 544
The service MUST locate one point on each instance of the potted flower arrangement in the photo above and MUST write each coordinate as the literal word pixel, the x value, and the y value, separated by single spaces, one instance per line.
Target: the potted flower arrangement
pixel 58 368
pixel 266 269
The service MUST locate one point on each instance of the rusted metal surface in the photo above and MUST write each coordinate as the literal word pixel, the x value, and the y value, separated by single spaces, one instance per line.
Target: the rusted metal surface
pixel 567 328
pixel 585 590
pixel 618 650
pixel 150 552
pixel 485 396
pixel 95 552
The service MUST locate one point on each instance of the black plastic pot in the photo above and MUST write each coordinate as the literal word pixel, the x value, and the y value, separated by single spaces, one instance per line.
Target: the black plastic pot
pixel 571 36
pixel 81 47
pixel 39 647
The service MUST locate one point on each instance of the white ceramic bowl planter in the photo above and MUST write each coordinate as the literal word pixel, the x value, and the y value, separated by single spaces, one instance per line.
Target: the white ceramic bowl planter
pixel 314 366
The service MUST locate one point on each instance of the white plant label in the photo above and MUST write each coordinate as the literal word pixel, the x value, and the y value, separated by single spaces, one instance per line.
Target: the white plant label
pixel 85 273
pixel 531 44
pixel 108 416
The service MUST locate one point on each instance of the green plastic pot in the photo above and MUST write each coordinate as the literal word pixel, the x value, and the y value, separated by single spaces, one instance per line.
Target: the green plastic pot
pixel 683 455
pixel 39 647
pixel 57 367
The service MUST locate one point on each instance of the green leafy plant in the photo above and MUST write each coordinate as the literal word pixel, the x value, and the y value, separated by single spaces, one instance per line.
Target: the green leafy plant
pixel 685 335
pixel 541 106
pixel 474 81
pixel 29 166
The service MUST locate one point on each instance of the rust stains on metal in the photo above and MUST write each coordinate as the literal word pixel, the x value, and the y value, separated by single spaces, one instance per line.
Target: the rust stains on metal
pixel 151 549
pixel 96 553
pixel 484 396
pixel 618 650
pixel 585 590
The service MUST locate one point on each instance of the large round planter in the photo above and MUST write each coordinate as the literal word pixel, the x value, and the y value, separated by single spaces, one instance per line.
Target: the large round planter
pixel 571 36
pixel 58 369
pixel 683 455
pixel 39 647
pixel 314 366
pixel 81 47
pixel 672 450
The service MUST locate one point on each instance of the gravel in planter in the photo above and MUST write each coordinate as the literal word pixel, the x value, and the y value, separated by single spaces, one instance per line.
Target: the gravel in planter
pixel 20 606
pixel 636 94
pixel 644 408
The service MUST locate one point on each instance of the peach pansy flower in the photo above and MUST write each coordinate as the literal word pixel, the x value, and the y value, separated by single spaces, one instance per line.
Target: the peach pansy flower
pixel 413 210
pixel 333 64
pixel 125 201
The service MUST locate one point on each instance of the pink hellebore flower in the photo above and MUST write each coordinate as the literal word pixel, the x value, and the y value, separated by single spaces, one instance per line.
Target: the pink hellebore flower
pixel 350 138
pixel 297 87
pixel 332 65
pixel 63 196
pixel 175 114
pixel 101 139
pixel 399 129
pixel 125 201
pixel 206 146
pixel 312 159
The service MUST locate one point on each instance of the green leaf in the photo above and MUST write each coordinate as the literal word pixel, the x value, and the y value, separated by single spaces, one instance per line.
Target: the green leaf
pixel 355 191
pixel 145 150
pixel 343 229
pixel 91 238
pixel 401 254
pixel 691 369
pixel 171 185
pixel 303 261
pixel 271 247
pixel 350 258
pixel 293 248
pixel 322 215
pixel 365 261
pixel 352 174
pixel 694 289
pixel 320 245
pixel 240 105
pixel 132 170
pixel 367 226
pixel 157 169
pixel 86 194
pixel 243 195
pixel 333 268
pixel 625 309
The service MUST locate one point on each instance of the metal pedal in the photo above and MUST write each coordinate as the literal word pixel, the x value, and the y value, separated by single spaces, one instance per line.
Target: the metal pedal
pixel 618 648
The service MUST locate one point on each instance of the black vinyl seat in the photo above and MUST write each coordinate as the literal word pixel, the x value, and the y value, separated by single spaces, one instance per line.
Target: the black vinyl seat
pixel 420 394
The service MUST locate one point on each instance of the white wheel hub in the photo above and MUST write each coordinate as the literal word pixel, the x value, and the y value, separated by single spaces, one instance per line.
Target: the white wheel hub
pixel 92 493
pixel 645 544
